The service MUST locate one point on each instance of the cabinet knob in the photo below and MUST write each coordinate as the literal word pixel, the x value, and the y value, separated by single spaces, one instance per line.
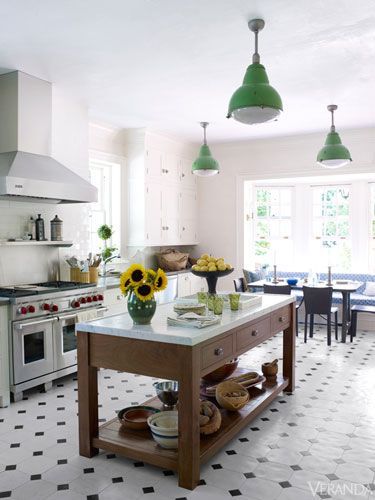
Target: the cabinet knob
pixel 254 333
pixel 166 171
pixel 167 228
pixel 183 175
pixel 219 351
pixel 282 319
pixel 183 229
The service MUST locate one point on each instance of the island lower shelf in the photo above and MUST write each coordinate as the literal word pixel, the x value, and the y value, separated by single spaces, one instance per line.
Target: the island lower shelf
pixel 139 445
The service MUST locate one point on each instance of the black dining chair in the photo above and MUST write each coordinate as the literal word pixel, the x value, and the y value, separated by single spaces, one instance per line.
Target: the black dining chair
pixel 318 300
pixel 240 285
pixel 282 290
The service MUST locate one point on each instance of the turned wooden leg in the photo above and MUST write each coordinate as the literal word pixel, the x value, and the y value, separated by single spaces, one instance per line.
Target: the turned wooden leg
pixel 188 421
pixel 87 398
pixel 289 349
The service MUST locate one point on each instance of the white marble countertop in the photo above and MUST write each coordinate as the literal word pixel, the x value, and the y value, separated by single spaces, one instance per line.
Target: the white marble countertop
pixel 122 325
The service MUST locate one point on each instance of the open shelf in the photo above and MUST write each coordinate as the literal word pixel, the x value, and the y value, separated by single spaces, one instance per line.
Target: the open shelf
pixel 139 445
pixel 36 243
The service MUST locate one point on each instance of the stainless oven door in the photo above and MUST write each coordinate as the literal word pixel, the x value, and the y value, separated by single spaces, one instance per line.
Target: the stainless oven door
pixel 32 343
pixel 66 339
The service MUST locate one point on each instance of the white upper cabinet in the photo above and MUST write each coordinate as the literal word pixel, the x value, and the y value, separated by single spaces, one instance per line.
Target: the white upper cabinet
pixel 153 161
pixel 162 207
pixel 171 168
pixel 188 179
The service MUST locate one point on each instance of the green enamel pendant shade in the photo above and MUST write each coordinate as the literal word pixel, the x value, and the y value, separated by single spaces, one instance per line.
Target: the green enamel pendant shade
pixel 256 101
pixel 333 154
pixel 205 165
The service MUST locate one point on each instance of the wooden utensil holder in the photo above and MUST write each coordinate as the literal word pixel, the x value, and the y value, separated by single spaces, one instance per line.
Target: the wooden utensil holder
pixel 84 277
pixel 75 274
pixel 93 274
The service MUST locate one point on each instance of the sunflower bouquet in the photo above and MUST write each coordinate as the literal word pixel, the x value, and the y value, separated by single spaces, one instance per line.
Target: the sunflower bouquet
pixel 142 282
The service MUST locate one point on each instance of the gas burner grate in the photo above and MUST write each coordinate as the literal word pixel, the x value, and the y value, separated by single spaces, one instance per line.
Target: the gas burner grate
pixel 16 292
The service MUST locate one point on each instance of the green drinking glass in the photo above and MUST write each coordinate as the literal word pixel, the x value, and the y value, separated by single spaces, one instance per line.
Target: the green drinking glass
pixel 202 297
pixel 218 305
pixel 234 301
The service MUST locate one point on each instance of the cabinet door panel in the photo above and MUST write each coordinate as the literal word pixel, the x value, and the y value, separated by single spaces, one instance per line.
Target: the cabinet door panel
pixel 170 168
pixel 170 215
pixel 188 179
pixel 188 216
pixel 153 163
pixel 153 214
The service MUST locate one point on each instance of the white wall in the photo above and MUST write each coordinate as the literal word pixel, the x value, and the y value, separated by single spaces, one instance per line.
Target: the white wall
pixel 221 197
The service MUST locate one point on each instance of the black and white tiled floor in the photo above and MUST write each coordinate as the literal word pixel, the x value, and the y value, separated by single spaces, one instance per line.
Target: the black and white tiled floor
pixel 317 443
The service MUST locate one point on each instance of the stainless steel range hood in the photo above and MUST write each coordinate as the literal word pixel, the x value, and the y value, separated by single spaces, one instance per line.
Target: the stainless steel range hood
pixel 27 170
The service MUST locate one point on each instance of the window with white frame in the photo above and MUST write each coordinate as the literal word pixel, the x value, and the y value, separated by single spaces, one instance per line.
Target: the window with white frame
pixel 304 224
pixel 106 177
pixel 331 225
pixel 372 229
pixel 272 226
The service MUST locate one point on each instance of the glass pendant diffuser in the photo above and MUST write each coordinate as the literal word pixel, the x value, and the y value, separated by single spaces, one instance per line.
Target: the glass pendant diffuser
pixel 333 154
pixel 256 101
pixel 205 164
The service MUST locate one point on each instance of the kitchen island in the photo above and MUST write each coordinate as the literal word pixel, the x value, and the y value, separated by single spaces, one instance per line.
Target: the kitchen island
pixel 183 354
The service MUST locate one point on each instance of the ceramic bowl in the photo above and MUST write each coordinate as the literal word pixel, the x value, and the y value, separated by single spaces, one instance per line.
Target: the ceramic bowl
pixel 292 281
pixel 164 428
pixel 167 392
pixel 221 373
pixel 135 417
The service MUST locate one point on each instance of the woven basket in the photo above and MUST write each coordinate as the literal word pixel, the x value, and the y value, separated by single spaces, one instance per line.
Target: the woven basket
pixel 231 403
pixel 215 421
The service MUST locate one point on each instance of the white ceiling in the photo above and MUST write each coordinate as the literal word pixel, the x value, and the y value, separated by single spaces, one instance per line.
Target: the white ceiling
pixel 169 64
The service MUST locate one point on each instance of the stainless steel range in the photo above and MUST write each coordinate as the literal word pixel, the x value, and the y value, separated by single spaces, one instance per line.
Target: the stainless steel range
pixel 43 344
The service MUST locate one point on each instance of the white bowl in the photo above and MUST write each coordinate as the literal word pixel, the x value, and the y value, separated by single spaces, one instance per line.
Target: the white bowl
pixel 164 428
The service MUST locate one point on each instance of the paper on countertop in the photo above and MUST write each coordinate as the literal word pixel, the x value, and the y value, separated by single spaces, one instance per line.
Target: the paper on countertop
pixel 193 320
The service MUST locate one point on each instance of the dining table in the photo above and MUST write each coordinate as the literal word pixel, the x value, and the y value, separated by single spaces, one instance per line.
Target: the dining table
pixel 345 287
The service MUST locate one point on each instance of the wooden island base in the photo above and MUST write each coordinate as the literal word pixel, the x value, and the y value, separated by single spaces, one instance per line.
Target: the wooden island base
pixel 187 364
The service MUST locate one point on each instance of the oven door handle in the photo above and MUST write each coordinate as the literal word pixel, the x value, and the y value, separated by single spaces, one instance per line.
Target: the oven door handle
pixel 20 326
pixel 74 316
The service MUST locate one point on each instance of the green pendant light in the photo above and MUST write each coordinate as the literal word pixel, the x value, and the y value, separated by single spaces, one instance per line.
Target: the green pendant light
pixel 333 154
pixel 255 101
pixel 205 164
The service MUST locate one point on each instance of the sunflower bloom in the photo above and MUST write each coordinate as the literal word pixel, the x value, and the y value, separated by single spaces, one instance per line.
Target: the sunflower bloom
pixel 161 280
pixel 151 275
pixel 125 282
pixel 137 274
pixel 144 291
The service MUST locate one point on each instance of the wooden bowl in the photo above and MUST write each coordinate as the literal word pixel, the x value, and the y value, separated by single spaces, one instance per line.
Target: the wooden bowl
pixel 231 395
pixel 270 369
pixel 135 417
pixel 221 373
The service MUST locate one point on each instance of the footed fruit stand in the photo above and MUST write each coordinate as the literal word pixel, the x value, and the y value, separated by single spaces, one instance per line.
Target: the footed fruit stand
pixel 184 355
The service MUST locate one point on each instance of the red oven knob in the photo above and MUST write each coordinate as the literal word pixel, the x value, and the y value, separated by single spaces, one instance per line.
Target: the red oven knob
pixel 76 304
pixel 100 297
pixel 83 300
pixel 88 300
pixel 95 298
pixel 46 307
pixel 22 310
pixel 54 307
pixel 31 309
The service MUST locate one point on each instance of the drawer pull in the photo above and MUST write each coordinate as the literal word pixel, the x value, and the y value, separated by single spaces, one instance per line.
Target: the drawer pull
pixel 282 319
pixel 219 351
pixel 254 333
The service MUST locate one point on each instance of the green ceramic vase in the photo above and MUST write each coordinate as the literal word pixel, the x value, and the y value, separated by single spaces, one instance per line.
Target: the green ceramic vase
pixel 140 311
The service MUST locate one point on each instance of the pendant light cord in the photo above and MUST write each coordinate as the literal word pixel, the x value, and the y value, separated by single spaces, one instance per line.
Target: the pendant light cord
pixel 332 121
pixel 256 58
pixel 204 126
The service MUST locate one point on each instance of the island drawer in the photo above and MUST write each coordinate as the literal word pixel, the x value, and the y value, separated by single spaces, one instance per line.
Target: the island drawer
pixel 280 319
pixel 251 334
pixel 214 352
